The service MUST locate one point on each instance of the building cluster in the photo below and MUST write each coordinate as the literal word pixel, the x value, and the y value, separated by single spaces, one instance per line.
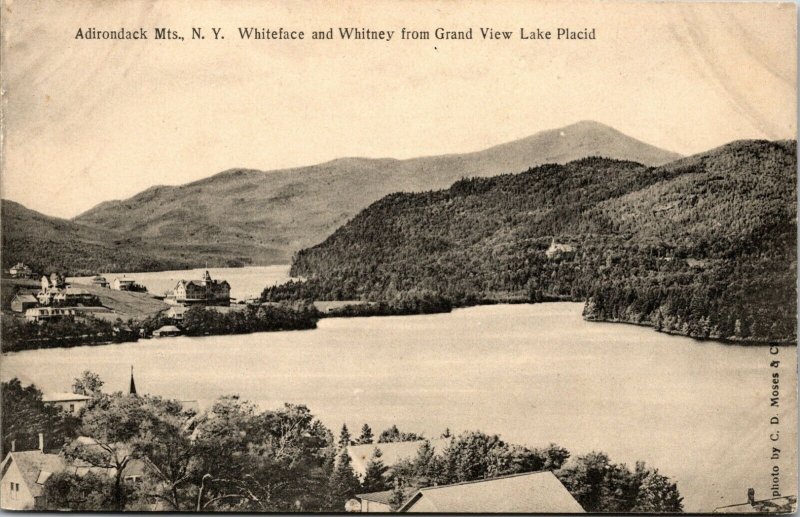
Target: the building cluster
pixel 24 473
pixel 119 284
pixel 56 299
pixel 205 292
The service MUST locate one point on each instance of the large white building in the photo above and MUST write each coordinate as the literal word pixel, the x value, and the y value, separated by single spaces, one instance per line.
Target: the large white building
pixel 70 402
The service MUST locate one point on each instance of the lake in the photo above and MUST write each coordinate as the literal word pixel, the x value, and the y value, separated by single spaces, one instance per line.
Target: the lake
pixel 245 282
pixel 699 411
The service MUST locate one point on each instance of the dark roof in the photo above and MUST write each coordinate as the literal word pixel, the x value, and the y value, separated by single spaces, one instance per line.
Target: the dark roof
pixel 378 497
pixel 385 496
pixel 530 492
pixel 25 298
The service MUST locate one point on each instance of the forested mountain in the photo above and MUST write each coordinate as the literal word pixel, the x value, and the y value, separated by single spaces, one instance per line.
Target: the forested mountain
pixel 51 244
pixel 258 217
pixel 704 246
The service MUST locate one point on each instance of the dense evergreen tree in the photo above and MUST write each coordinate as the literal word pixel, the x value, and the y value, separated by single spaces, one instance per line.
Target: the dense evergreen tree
pixel 398 497
pixel 366 435
pixel 343 484
pixel 393 434
pixel 602 486
pixel 374 480
pixel 344 437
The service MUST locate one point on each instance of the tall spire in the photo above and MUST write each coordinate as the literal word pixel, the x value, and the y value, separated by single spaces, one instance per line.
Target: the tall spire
pixel 132 390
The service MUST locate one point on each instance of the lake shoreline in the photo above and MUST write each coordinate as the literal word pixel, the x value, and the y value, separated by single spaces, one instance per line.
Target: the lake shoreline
pixel 554 299
pixel 486 303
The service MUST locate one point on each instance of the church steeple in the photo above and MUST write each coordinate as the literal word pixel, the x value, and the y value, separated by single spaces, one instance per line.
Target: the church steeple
pixel 132 390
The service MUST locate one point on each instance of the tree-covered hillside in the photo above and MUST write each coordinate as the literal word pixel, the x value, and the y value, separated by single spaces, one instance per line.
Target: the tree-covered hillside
pixel 51 244
pixel 262 218
pixel 704 246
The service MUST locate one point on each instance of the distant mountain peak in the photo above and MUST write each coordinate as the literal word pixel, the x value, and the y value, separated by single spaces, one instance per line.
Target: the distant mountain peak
pixel 272 214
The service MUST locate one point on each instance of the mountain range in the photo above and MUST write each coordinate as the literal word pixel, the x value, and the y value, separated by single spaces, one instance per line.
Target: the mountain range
pixel 244 216
pixel 703 246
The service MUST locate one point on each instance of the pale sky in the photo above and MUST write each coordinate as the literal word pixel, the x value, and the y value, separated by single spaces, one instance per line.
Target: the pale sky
pixel 90 121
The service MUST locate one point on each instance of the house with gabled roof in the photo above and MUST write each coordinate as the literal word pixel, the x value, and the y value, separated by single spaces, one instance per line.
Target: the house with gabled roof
pixel 529 492
pixel 23 474
pixel 22 478
pixel 23 301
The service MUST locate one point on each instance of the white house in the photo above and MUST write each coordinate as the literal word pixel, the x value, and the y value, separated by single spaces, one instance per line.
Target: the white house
pixel 176 312
pixel 20 270
pixel 167 331
pixel 51 313
pixel 556 250
pixel 23 476
pixel 123 284
pixel 70 402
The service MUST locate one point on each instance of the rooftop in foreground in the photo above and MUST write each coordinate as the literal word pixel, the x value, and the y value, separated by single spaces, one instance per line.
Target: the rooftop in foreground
pixel 530 492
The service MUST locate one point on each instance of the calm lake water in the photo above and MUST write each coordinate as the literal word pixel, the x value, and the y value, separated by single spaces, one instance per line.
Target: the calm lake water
pixel 245 282
pixel 699 411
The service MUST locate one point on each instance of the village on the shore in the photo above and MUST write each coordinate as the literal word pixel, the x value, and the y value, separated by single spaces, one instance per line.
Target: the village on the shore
pixel 56 299
pixel 124 304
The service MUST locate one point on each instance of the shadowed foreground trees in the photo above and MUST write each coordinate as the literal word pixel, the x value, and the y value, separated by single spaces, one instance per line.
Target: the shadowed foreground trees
pixel 236 457
pixel 25 416
pixel 596 483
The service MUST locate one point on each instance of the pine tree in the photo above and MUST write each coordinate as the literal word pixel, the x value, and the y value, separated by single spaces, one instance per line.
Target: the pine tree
pixel 373 476
pixel 427 467
pixel 366 435
pixel 344 437
pixel 398 496
pixel 344 483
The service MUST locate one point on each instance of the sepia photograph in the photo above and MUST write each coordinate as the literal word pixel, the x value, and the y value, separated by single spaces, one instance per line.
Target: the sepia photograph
pixel 425 256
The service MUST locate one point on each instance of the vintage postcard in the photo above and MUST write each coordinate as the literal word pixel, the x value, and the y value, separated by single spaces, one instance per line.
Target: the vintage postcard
pixel 421 256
